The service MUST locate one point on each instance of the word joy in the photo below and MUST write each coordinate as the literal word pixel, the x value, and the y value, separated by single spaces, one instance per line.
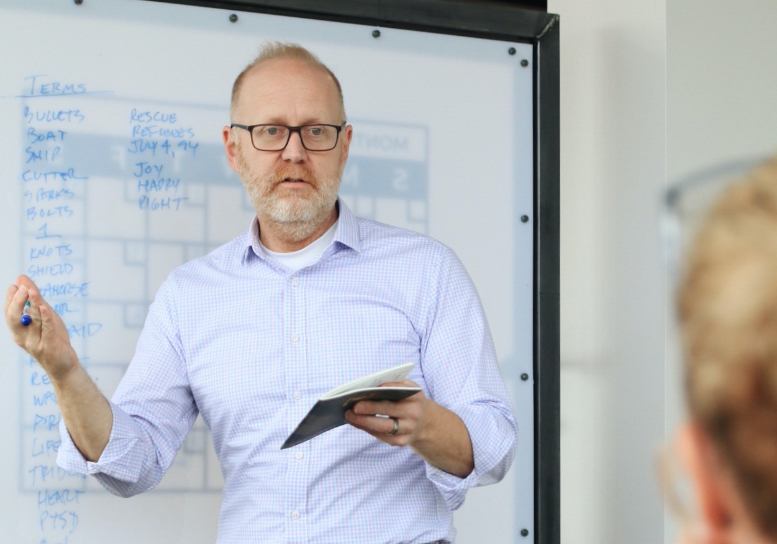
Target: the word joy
pixel 145 169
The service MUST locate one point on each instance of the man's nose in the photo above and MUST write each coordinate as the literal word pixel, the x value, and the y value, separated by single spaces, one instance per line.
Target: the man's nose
pixel 294 151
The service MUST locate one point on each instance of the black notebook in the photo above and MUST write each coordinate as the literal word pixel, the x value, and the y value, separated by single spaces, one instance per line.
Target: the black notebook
pixel 329 412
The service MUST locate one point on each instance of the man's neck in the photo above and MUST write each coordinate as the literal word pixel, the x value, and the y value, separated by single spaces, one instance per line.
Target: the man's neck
pixel 277 238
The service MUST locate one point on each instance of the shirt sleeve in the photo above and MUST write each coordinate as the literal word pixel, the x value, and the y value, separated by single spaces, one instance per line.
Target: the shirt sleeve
pixel 462 374
pixel 153 410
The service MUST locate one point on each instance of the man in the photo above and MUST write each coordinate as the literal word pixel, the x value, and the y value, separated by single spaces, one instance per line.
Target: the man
pixel 252 334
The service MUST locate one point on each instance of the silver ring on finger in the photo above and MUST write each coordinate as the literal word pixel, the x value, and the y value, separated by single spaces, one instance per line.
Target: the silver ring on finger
pixel 395 430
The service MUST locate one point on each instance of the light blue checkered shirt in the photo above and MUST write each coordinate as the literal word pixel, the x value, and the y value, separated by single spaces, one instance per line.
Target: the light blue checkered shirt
pixel 251 346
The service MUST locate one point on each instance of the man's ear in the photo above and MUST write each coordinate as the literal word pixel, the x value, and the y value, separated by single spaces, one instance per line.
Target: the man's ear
pixel 707 480
pixel 230 146
pixel 346 137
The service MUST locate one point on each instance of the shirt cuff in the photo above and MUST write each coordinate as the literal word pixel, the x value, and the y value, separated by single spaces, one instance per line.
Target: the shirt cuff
pixel 493 448
pixel 123 457
pixel 452 487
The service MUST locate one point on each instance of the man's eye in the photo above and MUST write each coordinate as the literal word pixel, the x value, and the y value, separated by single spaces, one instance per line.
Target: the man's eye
pixel 316 131
pixel 272 132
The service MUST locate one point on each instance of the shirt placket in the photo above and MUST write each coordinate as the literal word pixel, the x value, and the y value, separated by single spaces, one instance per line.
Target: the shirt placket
pixel 296 370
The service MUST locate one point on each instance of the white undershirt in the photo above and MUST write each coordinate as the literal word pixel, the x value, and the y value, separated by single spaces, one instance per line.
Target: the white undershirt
pixel 306 256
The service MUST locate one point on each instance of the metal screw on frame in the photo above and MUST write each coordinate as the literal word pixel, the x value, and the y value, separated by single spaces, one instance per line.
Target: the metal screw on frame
pixel 78 2
pixel 524 532
pixel 524 218
pixel 524 63
pixel 233 18
pixel 511 50
pixel 376 33
pixel 524 376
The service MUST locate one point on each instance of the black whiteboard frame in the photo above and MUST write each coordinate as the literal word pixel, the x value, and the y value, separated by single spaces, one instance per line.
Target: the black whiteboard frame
pixel 504 23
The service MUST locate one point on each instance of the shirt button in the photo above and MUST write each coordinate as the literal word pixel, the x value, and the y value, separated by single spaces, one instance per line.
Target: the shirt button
pixel 299 455
pixel 297 395
pixel 295 281
pixel 294 337
pixel 295 515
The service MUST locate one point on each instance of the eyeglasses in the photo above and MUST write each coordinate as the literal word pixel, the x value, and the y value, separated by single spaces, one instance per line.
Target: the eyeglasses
pixel 687 201
pixel 276 137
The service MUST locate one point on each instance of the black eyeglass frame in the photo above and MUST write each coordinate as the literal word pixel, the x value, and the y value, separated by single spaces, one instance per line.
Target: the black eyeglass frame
pixel 292 130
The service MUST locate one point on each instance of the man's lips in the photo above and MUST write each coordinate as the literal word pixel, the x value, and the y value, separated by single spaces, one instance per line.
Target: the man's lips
pixel 294 184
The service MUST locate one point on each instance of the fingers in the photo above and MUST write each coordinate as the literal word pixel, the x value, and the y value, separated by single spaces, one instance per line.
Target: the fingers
pixel 394 426
pixel 377 417
pixel 394 429
pixel 25 281
pixel 46 338
pixel 16 297
pixel 389 425
pixel 400 408
pixel 9 294
pixel 34 296
pixel 36 303
pixel 382 427
pixel 403 383
pixel 47 320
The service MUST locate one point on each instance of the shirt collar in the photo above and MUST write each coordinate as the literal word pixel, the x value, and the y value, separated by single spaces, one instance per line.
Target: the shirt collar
pixel 347 233
pixel 347 228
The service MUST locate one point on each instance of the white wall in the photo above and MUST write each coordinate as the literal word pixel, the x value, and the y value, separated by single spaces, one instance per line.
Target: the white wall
pixel 721 81
pixel 613 73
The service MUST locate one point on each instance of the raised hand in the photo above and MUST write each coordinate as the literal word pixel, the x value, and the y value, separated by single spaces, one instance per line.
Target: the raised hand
pixel 46 338
pixel 85 410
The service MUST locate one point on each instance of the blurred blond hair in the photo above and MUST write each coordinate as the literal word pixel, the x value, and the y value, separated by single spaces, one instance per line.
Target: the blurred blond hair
pixel 727 306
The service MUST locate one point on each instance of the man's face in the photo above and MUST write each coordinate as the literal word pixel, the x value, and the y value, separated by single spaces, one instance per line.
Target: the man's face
pixel 292 186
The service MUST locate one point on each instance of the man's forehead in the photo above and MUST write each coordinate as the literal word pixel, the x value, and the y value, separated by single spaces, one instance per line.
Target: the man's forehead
pixel 279 85
pixel 288 67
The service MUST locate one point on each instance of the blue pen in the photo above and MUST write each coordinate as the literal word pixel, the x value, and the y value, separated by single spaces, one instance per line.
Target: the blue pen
pixel 26 319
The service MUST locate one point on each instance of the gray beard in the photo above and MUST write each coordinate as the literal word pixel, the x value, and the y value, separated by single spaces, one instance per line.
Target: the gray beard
pixel 293 219
pixel 296 219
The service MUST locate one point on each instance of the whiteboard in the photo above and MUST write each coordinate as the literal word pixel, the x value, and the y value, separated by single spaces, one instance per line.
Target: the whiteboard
pixel 99 98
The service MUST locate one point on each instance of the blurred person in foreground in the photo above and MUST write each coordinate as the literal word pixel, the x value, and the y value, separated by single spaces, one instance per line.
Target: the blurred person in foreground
pixel 727 305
